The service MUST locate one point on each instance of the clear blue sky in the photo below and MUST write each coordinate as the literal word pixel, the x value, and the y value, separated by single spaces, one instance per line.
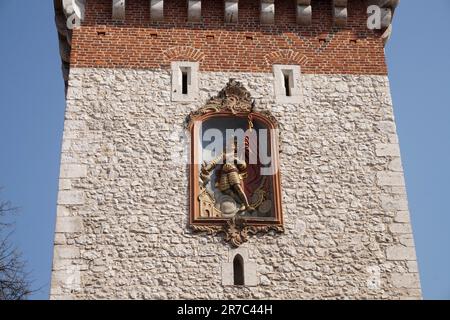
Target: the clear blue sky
pixel 32 113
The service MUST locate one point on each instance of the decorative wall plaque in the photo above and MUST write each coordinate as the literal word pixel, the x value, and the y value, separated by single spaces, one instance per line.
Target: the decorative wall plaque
pixel 234 176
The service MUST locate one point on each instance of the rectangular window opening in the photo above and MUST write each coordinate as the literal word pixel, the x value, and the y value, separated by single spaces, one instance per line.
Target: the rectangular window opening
pixel 288 82
pixel 184 80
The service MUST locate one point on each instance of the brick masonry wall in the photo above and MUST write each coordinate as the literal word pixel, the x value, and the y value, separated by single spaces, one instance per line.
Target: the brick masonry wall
pixel 246 46
pixel 122 211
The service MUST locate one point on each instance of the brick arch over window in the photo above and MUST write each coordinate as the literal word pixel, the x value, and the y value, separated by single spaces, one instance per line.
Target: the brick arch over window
pixel 183 53
pixel 286 57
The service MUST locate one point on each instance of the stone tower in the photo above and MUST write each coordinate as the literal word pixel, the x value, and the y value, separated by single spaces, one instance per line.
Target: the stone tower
pixel 144 78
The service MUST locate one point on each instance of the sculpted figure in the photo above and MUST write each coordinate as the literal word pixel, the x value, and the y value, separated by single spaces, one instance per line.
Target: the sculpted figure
pixel 230 175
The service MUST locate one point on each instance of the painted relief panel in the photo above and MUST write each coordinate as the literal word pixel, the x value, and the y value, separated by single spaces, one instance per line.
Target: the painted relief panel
pixel 234 176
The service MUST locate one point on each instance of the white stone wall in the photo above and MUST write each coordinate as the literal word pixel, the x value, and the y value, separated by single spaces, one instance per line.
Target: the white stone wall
pixel 123 203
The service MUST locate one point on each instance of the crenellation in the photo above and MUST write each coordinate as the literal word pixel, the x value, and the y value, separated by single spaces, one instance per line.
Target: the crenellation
pixel 304 12
pixel 231 11
pixel 92 51
pixel 267 11
pixel 118 9
pixel 340 13
pixel 194 10
pixel 157 10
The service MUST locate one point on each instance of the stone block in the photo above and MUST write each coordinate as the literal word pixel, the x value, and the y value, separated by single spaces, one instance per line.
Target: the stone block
pixel 62 211
pixel 66 279
pixel 412 266
pixel 390 203
pixel 66 252
pixel 390 179
pixel 407 240
pixel 401 280
pixel 62 264
pixel 393 138
pixel 69 224
pixel 73 171
pixel 400 228
pixel 396 165
pixel 387 150
pixel 402 217
pixel 71 198
pixel 387 127
pixel 398 252
pixel 74 125
pixel 60 239
pixel 65 184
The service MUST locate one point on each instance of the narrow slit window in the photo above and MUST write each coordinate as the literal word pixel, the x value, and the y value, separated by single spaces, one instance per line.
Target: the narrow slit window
pixel 238 270
pixel 288 82
pixel 287 85
pixel 184 81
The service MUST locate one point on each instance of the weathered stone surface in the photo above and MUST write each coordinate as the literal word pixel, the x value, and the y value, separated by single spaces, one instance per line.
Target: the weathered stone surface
pixel 391 203
pixel 400 253
pixel 60 239
pixel 400 228
pixel 406 240
pixel 73 171
pixel 412 266
pixel 387 127
pixel 396 165
pixel 65 184
pixel 69 224
pixel 390 179
pixel 66 252
pixel 384 150
pixel 62 211
pixel 70 198
pixel 401 280
pixel 402 217
pixel 134 241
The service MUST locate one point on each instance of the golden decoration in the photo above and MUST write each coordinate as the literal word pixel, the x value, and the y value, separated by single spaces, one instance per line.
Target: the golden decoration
pixel 236 230
pixel 234 98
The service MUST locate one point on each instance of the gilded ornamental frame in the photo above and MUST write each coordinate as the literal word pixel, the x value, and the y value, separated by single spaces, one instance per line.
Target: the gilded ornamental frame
pixel 233 101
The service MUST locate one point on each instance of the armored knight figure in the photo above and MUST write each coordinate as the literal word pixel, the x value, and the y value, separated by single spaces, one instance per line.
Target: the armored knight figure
pixel 230 174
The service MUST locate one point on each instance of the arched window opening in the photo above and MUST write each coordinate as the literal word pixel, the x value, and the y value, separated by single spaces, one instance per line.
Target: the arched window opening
pixel 238 270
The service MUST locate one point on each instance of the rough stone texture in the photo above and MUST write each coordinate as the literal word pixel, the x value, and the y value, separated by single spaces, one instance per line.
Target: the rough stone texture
pixel 344 206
